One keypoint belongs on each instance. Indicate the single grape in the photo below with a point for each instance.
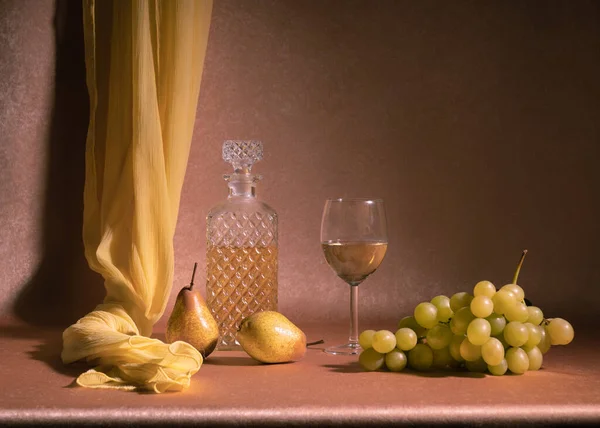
(502, 300)
(420, 357)
(515, 289)
(482, 306)
(411, 323)
(468, 351)
(460, 300)
(365, 339)
(517, 312)
(484, 288)
(442, 358)
(454, 347)
(516, 333)
(395, 360)
(383, 341)
(535, 358)
(439, 336)
(440, 301)
(517, 360)
(544, 344)
(535, 335)
(460, 321)
(500, 369)
(536, 316)
(426, 315)
(477, 366)
(497, 323)
(478, 331)
(444, 312)
(492, 352)
(561, 331)
(406, 339)
(371, 360)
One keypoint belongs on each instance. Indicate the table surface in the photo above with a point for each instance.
(231, 388)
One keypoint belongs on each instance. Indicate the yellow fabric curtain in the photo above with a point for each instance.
(144, 61)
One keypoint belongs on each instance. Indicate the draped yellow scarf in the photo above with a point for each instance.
(144, 61)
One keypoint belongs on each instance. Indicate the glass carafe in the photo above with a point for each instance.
(241, 247)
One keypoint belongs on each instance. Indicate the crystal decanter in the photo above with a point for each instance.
(241, 253)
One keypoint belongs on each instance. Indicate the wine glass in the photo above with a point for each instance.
(354, 240)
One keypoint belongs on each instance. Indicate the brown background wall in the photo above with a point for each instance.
(476, 122)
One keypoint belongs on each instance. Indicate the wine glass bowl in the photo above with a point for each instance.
(354, 261)
(354, 241)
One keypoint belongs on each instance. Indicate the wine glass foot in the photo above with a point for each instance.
(347, 349)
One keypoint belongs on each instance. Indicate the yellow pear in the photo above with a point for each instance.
(192, 321)
(269, 337)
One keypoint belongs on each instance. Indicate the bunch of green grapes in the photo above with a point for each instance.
(489, 330)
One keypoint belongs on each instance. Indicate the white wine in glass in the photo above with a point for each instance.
(354, 240)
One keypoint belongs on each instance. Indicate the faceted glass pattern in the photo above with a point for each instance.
(242, 153)
(241, 268)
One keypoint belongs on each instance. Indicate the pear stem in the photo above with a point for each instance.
(193, 275)
(516, 277)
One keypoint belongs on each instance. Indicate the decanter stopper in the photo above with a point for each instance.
(242, 154)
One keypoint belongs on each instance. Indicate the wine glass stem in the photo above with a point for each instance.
(353, 314)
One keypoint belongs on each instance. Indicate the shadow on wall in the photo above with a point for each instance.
(64, 288)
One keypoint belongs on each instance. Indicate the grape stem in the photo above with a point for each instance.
(516, 277)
